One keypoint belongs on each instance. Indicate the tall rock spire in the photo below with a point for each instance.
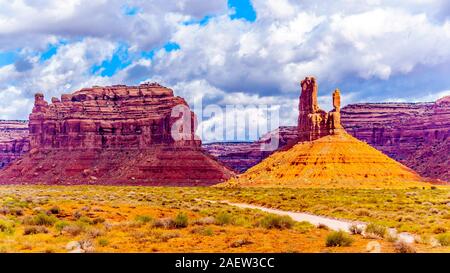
(313, 122)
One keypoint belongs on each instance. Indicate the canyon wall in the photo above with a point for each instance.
(416, 134)
(115, 135)
(13, 140)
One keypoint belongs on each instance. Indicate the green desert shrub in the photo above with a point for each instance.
(444, 239)
(181, 220)
(163, 223)
(276, 221)
(204, 231)
(54, 210)
(103, 242)
(205, 221)
(73, 229)
(355, 229)
(223, 218)
(144, 219)
(338, 238)
(41, 219)
(84, 220)
(60, 225)
(403, 247)
(29, 230)
(376, 229)
(6, 227)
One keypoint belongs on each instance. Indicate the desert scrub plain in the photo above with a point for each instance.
(167, 219)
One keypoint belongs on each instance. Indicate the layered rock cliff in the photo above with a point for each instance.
(13, 140)
(115, 135)
(416, 134)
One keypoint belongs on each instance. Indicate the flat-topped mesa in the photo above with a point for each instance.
(132, 135)
(313, 122)
(108, 117)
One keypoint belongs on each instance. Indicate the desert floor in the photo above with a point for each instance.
(170, 219)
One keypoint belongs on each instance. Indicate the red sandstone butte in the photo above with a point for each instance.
(114, 135)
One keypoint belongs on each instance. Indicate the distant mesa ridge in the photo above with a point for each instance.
(114, 135)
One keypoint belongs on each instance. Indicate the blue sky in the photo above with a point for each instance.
(254, 50)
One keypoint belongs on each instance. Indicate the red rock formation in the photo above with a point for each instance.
(415, 134)
(13, 141)
(115, 135)
(313, 122)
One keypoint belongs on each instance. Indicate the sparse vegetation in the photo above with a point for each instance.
(204, 231)
(223, 218)
(240, 243)
(60, 225)
(103, 242)
(338, 238)
(403, 247)
(30, 230)
(444, 239)
(54, 210)
(376, 230)
(181, 220)
(143, 219)
(355, 229)
(276, 221)
(41, 219)
(6, 227)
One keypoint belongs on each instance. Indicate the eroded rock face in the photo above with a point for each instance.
(13, 141)
(313, 122)
(115, 135)
(416, 134)
(107, 117)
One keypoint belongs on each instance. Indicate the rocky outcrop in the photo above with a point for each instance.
(141, 135)
(13, 141)
(330, 158)
(332, 161)
(313, 122)
(416, 134)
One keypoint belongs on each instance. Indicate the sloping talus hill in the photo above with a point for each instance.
(332, 161)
